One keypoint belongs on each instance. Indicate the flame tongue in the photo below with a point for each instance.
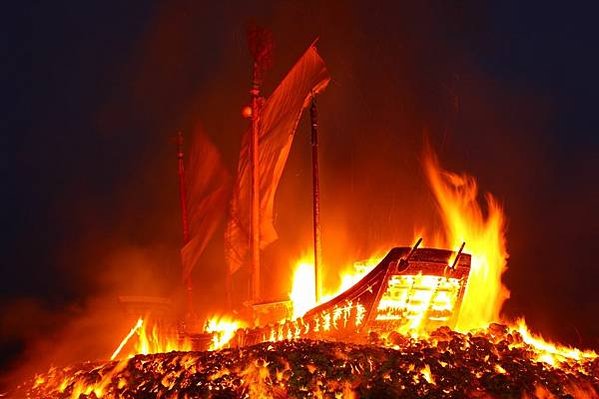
(223, 328)
(465, 221)
(303, 293)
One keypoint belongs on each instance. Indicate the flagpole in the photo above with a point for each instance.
(315, 200)
(255, 187)
(184, 219)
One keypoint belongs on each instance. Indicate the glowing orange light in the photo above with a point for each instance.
(136, 327)
(223, 329)
(484, 234)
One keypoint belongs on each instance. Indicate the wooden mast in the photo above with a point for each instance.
(260, 44)
(184, 218)
(315, 199)
(255, 187)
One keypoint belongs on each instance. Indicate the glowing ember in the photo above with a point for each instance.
(419, 299)
(493, 362)
(223, 329)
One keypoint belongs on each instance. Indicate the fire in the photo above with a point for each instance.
(303, 293)
(223, 329)
(303, 290)
(489, 363)
(156, 340)
(423, 299)
(418, 298)
(484, 235)
(548, 352)
(501, 351)
(159, 341)
(136, 327)
(351, 275)
(81, 388)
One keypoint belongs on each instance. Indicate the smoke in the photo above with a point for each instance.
(87, 329)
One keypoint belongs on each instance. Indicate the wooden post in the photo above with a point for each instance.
(184, 217)
(316, 200)
(260, 45)
(255, 188)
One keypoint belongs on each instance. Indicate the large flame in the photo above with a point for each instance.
(303, 291)
(464, 220)
(484, 234)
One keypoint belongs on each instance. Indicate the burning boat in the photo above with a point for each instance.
(391, 334)
(410, 290)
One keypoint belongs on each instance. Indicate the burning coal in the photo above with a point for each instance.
(494, 362)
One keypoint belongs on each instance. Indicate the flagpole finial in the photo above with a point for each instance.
(261, 45)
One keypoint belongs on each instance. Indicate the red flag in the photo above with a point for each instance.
(208, 190)
(278, 121)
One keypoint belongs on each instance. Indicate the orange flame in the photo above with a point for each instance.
(302, 294)
(484, 235)
(158, 341)
(548, 352)
(155, 341)
(223, 329)
(464, 220)
(81, 388)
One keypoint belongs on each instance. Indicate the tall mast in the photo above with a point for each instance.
(260, 45)
(184, 217)
(315, 199)
(255, 183)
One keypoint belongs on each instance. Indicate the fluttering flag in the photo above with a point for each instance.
(208, 185)
(278, 120)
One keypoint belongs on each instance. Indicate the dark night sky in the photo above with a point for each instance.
(94, 91)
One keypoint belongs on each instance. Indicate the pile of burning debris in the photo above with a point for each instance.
(495, 362)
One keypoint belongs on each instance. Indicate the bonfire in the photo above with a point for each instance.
(329, 352)
(418, 322)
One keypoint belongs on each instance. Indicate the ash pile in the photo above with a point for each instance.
(491, 363)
